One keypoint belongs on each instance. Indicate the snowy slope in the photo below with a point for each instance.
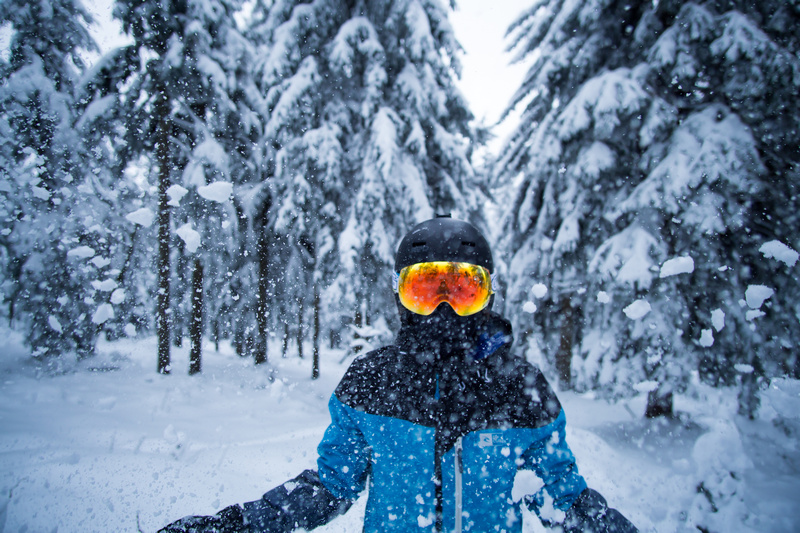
(109, 445)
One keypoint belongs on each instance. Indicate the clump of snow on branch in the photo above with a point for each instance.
(627, 257)
(81, 252)
(646, 386)
(720, 462)
(55, 324)
(599, 102)
(107, 285)
(100, 262)
(709, 146)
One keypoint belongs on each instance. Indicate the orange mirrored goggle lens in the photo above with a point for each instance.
(423, 286)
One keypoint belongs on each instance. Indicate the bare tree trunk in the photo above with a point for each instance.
(263, 295)
(285, 339)
(178, 288)
(564, 354)
(315, 363)
(300, 328)
(163, 319)
(238, 337)
(358, 321)
(215, 332)
(196, 325)
(659, 404)
(749, 388)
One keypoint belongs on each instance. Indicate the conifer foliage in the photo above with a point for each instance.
(658, 155)
(179, 104)
(239, 170)
(366, 135)
(54, 244)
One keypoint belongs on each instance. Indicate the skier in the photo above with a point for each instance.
(438, 424)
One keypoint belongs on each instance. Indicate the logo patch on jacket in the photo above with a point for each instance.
(491, 439)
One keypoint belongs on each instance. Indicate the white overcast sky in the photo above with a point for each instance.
(488, 79)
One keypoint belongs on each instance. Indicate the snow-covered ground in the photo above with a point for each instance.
(108, 445)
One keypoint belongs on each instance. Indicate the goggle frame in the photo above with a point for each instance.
(462, 271)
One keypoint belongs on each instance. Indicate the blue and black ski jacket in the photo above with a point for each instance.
(437, 441)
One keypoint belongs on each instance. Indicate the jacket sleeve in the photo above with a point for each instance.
(585, 509)
(344, 454)
(551, 459)
(314, 498)
(302, 502)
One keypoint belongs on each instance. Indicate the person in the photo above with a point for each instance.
(439, 424)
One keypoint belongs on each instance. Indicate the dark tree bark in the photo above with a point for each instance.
(238, 337)
(300, 329)
(659, 404)
(315, 362)
(262, 309)
(196, 325)
(215, 332)
(564, 354)
(285, 346)
(358, 321)
(263, 296)
(163, 319)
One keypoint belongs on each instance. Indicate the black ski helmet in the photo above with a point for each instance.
(444, 239)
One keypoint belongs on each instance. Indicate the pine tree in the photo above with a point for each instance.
(366, 136)
(53, 239)
(223, 166)
(183, 108)
(649, 137)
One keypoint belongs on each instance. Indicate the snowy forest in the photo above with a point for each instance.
(241, 172)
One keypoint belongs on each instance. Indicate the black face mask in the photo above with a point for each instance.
(443, 334)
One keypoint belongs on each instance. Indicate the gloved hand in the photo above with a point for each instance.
(590, 512)
(228, 520)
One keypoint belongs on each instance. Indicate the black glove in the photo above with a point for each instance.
(228, 520)
(591, 513)
(302, 502)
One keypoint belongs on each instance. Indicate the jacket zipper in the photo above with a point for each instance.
(437, 464)
(459, 492)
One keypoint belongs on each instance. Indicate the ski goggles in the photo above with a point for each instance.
(423, 286)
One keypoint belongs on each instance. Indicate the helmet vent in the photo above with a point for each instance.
(418, 244)
(468, 243)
